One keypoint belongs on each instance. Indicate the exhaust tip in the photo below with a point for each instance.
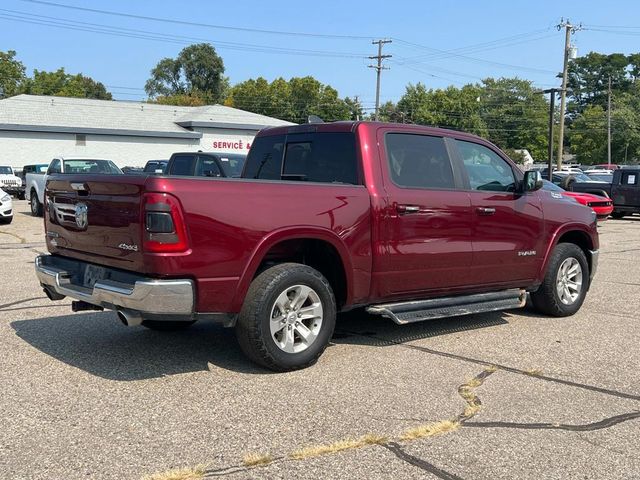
(130, 318)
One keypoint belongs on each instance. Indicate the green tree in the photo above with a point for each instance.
(588, 135)
(12, 73)
(508, 111)
(589, 77)
(197, 71)
(294, 100)
(515, 114)
(63, 84)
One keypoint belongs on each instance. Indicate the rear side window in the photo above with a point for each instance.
(629, 178)
(316, 157)
(182, 165)
(419, 161)
(265, 158)
(485, 168)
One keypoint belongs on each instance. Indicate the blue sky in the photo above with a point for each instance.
(437, 43)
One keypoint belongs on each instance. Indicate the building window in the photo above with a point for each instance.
(81, 140)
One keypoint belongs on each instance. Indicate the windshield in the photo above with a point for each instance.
(5, 171)
(91, 166)
(551, 187)
(232, 164)
(602, 177)
(156, 166)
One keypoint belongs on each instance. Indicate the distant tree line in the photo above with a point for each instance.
(14, 81)
(510, 112)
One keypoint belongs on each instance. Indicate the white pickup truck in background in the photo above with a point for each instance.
(35, 182)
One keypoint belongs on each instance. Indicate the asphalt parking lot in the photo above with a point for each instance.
(500, 395)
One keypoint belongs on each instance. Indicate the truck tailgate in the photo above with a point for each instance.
(96, 218)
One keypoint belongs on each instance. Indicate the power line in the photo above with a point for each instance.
(160, 36)
(198, 24)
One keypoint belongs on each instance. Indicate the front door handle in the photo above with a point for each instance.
(404, 209)
(485, 210)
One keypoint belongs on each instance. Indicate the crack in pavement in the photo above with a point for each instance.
(506, 368)
(18, 302)
(587, 427)
(14, 235)
(397, 450)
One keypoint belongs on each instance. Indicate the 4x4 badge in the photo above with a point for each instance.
(82, 219)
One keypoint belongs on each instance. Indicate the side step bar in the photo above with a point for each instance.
(420, 310)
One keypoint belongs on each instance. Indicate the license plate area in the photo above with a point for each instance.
(93, 274)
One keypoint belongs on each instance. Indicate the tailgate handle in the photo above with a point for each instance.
(81, 188)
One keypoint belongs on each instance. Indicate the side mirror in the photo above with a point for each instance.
(532, 181)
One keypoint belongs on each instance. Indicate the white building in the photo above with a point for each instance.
(34, 129)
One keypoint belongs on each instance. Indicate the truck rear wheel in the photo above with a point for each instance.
(565, 284)
(287, 318)
(36, 206)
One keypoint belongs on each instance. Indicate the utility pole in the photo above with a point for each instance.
(378, 67)
(569, 29)
(609, 123)
(552, 103)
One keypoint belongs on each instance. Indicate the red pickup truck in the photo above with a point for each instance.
(413, 223)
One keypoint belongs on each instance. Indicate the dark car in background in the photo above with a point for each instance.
(156, 166)
(206, 164)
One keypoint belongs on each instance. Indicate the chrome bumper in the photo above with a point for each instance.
(594, 263)
(141, 294)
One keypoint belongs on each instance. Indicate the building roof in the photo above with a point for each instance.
(106, 117)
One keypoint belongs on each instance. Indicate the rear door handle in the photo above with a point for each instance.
(485, 210)
(404, 209)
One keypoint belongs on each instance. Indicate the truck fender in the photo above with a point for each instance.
(291, 233)
(555, 237)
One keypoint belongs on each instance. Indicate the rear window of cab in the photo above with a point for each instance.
(308, 157)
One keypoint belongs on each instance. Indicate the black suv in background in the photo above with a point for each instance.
(206, 164)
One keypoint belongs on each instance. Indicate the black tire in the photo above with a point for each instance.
(166, 326)
(253, 329)
(547, 299)
(6, 220)
(617, 215)
(36, 206)
(567, 182)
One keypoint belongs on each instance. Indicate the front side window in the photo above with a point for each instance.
(485, 168)
(419, 161)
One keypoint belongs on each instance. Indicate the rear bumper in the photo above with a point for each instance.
(119, 291)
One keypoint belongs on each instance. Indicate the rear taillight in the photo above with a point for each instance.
(164, 227)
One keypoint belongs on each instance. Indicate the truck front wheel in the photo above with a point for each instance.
(36, 206)
(565, 283)
(287, 318)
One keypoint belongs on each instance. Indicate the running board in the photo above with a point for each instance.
(420, 310)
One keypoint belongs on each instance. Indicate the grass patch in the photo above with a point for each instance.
(255, 459)
(470, 411)
(534, 372)
(430, 430)
(317, 450)
(491, 369)
(187, 473)
(473, 383)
